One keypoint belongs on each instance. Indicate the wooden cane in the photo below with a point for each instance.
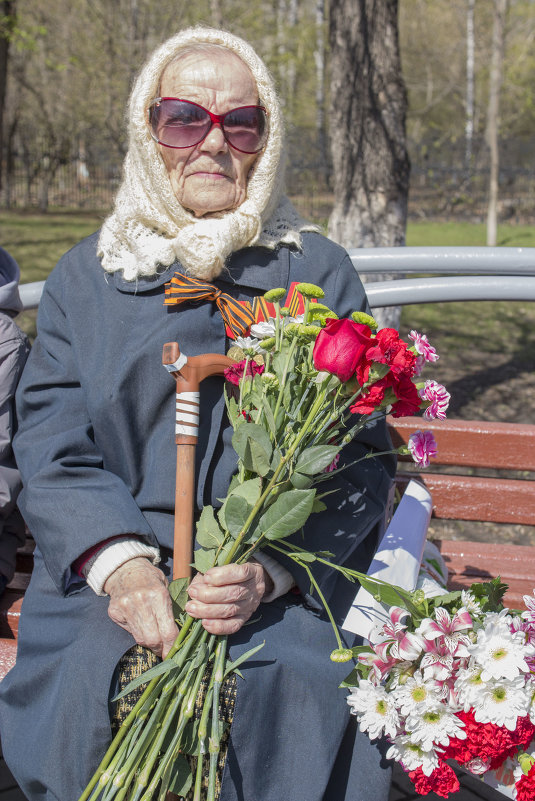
(188, 373)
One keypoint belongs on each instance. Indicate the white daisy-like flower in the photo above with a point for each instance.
(251, 343)
(503, 702)
(469, 686)
(500, 652)
(266, 328)
(434, 725)
(375, 709)
(416, 692)
(468, 600)
(412, 756)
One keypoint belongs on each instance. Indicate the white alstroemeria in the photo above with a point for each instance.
(448, 630)
(434, 725)
(375, 709)
(412, 756)
(500, 652)
(503, 702)
(470, 603)
(416, 692)
(251, 343)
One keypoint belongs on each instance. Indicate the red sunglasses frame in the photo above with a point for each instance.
(216, 119)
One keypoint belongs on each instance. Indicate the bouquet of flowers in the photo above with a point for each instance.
(452, 679)
(302, 387)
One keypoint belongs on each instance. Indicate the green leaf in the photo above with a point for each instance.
(276, 459)
(255, 458)
(250, 431)
(237, 510)
(354, 677)
(300, 481)
(233, 412)
(178, 590)
(316, 459)
(204, 559)
(268, 414)
(388, 594)
(250, 490)
(208, 533)
(230, 666)
(190, 737)
(200, 656)
(303, 556)
(318, 506)
(181, 778)
(289, 513)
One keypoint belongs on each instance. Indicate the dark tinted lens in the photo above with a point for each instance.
(246, 128)
(177, 123)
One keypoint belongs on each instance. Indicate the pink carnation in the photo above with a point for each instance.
(422, 446)
(234, 373)
(423, 347)
(438, 398)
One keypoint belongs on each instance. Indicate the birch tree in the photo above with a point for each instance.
(493, 115)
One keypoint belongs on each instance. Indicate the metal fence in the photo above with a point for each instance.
(467, 273)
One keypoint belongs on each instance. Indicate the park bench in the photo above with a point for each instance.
(483, 471)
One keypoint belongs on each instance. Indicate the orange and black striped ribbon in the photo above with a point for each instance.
(236, 314)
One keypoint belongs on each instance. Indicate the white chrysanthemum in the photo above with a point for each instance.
(416, 692)
(469, 686)
(434, 725)
(503, 702)
(500, 652)
(266, 328)
(251, 343)
(412, 756)
(375, 709)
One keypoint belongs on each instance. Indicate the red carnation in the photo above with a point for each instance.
(442, 781)
(489, 742)
(389, 349)
(525, 786)
(409, 401)
(340, 346)
(234, 373)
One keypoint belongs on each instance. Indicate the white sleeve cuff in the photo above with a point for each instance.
(282, 579)
(112, 555)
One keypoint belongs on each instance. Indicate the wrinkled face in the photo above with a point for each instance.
(211, 176)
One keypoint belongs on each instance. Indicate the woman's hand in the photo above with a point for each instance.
(225, 597)
(141, 604)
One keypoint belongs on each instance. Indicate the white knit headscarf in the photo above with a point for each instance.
(149, 228)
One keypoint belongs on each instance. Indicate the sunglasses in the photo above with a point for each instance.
(180, 123)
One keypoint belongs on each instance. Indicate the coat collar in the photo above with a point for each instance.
(255, 268)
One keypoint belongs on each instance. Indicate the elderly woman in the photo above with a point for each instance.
(202, 195)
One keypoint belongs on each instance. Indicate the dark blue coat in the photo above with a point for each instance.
(96, 451)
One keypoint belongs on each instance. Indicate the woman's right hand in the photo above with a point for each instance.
(141, 604)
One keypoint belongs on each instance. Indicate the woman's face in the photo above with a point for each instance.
(211, 176)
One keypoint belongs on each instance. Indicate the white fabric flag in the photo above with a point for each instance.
(397, 560)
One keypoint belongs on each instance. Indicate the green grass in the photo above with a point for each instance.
(37, 241)
(420, 234)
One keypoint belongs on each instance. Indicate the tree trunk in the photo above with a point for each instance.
(368, 145)
(469, 124)
(493, 116)
(319, 61)
(7, 22)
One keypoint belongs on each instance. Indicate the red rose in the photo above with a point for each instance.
(234, 373)
(340, 346)
(389, 349)
(442, 781)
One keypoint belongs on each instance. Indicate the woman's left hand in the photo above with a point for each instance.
(225, 597)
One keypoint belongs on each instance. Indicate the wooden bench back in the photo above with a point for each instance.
(464, 445)
(467, 444)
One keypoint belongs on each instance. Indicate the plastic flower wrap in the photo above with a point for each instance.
(303, 385)
(452, 680)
